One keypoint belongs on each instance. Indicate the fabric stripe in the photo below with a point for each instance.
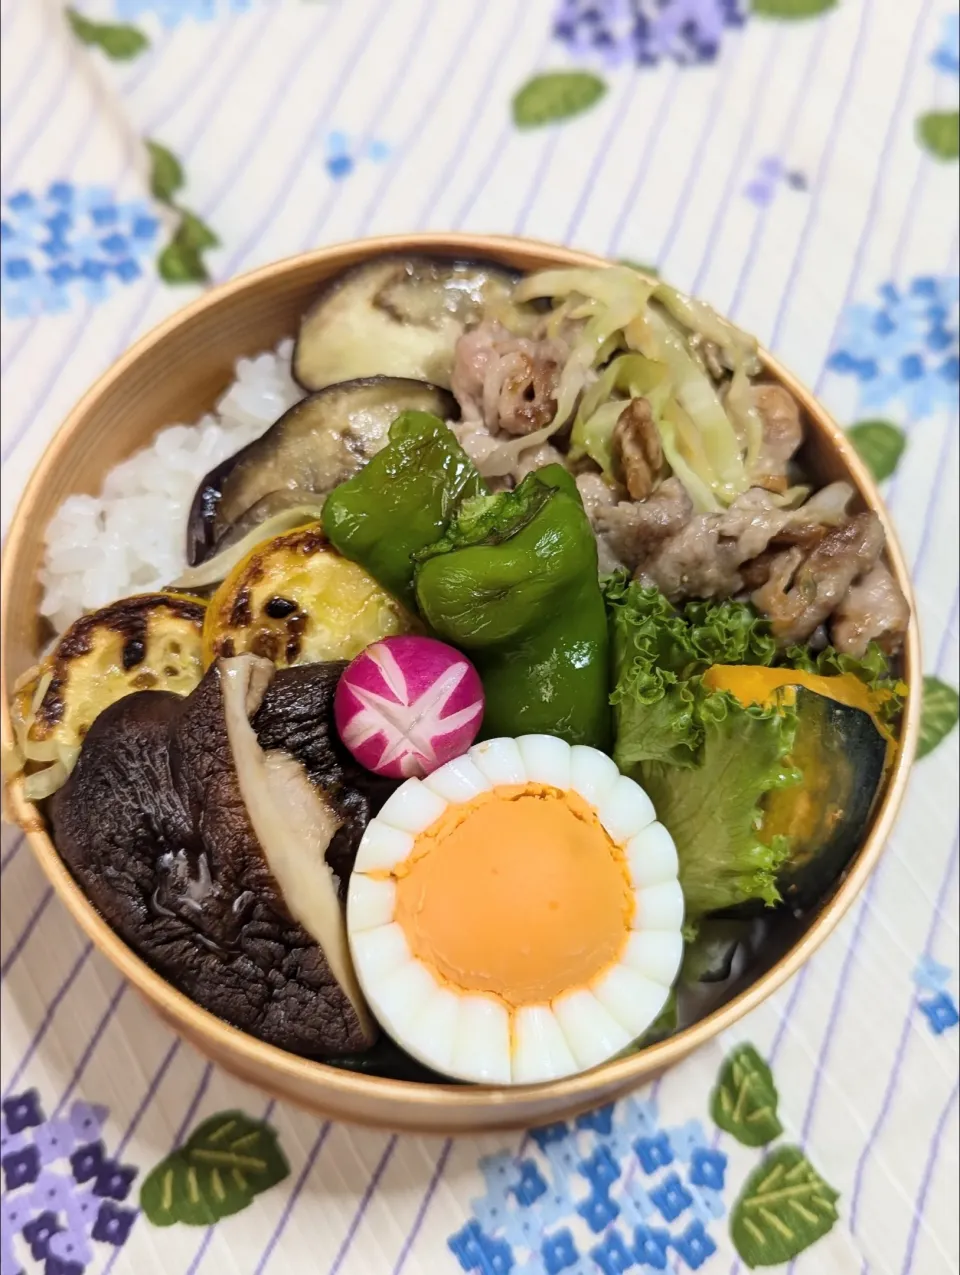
(547, 152)
(89, 1048)
(363, 1206)
(783, 148)
(24, 937)
(292, 1202)
(486, 170)
(627, 96)
(725, 74)
(823, 168)
(476, 115)
(12, 853)
(654, 134)
(48, 1018)
(283, 188)
(431, 1190)
(713, 239)
(921, 1201)
(902, 1046)
(894, 123)
(444, 81)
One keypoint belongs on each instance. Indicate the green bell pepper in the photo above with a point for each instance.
(513, 583)
(402, 500)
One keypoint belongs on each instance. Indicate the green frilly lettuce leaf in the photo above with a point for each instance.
(712, 810)
(659, 654)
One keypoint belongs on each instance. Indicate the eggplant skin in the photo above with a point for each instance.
(398, 315)
(153, 827)
(312, 448)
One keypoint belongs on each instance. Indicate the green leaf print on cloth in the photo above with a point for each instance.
(938, 717)
(880, 445)
(166, 175)
(792, 9)
(118, 42)
(744, 1102)
(785, 1206)
(181, 261)
(938, 132)
(556, 95)
(224, 1163)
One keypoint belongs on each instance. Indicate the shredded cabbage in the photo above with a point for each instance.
(711, 444)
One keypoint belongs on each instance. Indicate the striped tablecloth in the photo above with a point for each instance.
(793, 161)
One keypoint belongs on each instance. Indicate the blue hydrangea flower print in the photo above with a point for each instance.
(70, 242)
(172, 12)
(62, 1193)
(905, 349)
(946, 56)
(343, 154)
(647, 32)
(936, 1001)
(611, 1192)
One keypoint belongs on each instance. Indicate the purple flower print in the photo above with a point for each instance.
(20, 1168)
(40, 1232)
(87, 1162)
(646, 32)
(55, 1266)
(113, 1224)
(52, 1191)
(22, 1111)
(83, 1210)
(12, 1142)
(87, 1120)
(15, 1213)
(114, 1180)
(54, 1140)
(71, 1246)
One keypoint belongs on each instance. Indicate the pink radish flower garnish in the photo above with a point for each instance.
(407, 705)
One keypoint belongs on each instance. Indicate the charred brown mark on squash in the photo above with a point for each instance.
(279, 608)
(241, 614)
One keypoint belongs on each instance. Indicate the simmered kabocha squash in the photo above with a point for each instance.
(841, 749)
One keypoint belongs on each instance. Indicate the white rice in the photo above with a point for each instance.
(131, 538)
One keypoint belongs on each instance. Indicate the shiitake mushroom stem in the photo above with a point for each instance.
(293, 823)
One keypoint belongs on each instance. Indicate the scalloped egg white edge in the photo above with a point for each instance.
(474, 1037)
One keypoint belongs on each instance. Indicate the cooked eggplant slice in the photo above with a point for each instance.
(320, 442)
(148, 642)
(399, 316)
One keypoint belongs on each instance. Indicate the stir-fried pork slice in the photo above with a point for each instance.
(689, 555)
(506, 381)
(874, 610)
(535, 458)
(805, 588)
(782, 435)
(634, 528)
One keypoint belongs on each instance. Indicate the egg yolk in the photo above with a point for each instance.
(519, 893)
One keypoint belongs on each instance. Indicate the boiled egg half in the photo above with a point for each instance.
(516, 916)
